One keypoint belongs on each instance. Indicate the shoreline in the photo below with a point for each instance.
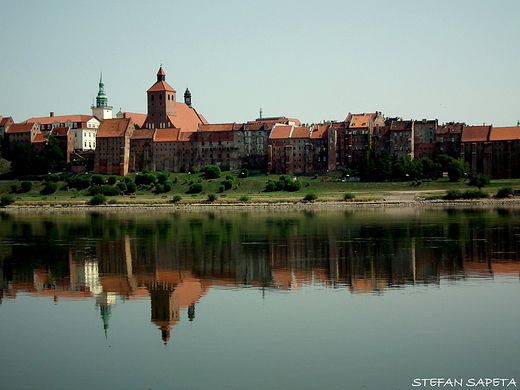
(274, 206)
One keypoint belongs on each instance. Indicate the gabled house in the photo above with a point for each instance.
(113, 147)
(448, 139)
(21, 133)
(505, 143)
(476, 149)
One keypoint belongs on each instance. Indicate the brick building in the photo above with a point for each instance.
(113, 147)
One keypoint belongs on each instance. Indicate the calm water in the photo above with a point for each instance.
(285, 300)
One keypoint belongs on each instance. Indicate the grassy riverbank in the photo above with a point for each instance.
(250, 189)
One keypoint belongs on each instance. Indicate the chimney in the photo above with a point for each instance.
(52, 114)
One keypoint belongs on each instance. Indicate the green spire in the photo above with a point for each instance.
(101, 99)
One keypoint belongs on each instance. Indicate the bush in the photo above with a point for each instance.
(108, 191)
(310, 197)
(6, 200)
(228, 184)
(98, 180)
(212, 197)
(14, 188)
(159, 188)
(244, 198)
(122, 187)
(193, 170)
(168, 185)
(131, 188)
(50, 187)
(128, 179)
(293, 186)
(479, 181)
(474, 194)
(79, 181)
(162, 177)
(176, 198)
(453, 195)
(348, 196)
(244, 173)
(221, 189)
(270, 186)
(26, 186)
(97, 199)
(112, 180)
(502, 193)
(195, 188)
(145, 179)
(212, 172)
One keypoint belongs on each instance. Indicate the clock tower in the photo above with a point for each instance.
(101, 110)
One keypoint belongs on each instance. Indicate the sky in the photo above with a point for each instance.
(314, 60)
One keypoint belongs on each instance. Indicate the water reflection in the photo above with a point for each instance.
(174, 259)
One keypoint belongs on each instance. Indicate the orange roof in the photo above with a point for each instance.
(504, 133)
(220, 127)
(113, 127)
(319, 132)
(40, 138)
(281, 132)
(187, 119)
(60, 131)
(359, 121)
(47, 120)
(4, 121)
(166, 135)
(273, 121)
(143, 134)
(188, 136)
(301, 132)
(475, 133)
(138, 119)
(20, 128)
(161, 86)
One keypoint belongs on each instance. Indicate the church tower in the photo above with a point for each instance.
(101, 110)
(161, 102)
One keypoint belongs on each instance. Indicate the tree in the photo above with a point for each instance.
(26, 186)
(52, 158)
(455, 168)
(479, 180)
(22, 160)
(212, 172)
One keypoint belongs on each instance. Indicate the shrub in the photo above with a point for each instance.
(50, 187)
(98, 180)
(212, 172)
(108, 191)
(162, 177)
(244, 173)
(112, 180)
(26, 186)
(212, 197)
(195, 188)
(479, 181)
(79, 181)
(176, 198)
(6, 200)
(474, 194)
(270, 186)
(244, 198)
(97, 199)
(348, 196)
(193, 170)
(122, 187)
(128, 179)
(221, 189)
(293, 186)
(310, 197)
(453, 194)
(228, 184)
(131, 188)
(14, 188)
(502, 193)
(159, 188)
(168, 185)
(145, 179)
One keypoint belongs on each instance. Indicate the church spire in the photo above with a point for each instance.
(187, 98)
(101, 99)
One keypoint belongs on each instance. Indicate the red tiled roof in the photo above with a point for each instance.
(187, 119)
(39, 139)
(60, 131)
(220, 127)
(319, 132)
(359, 121)
(350, 117)
(301, 132)
(475, 133)
(113, 127)
(4, 121)
(47, 120)
(143, 134)
(401, 125)
(281, 132)
(273, 121)
(161, 86)
(188, 136)
(504, 133)
(138, 119)
(450, 128)
(161, 72)
(167, 135)
(20, 128)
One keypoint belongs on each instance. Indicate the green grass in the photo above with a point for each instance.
(325, 189)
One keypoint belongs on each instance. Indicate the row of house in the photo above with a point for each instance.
(174, 137)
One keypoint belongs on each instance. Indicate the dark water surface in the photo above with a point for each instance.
(261, 300)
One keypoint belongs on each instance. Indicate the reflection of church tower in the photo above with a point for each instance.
(165, 308)
(101, 110)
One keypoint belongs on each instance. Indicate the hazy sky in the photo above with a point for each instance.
(454, 60)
